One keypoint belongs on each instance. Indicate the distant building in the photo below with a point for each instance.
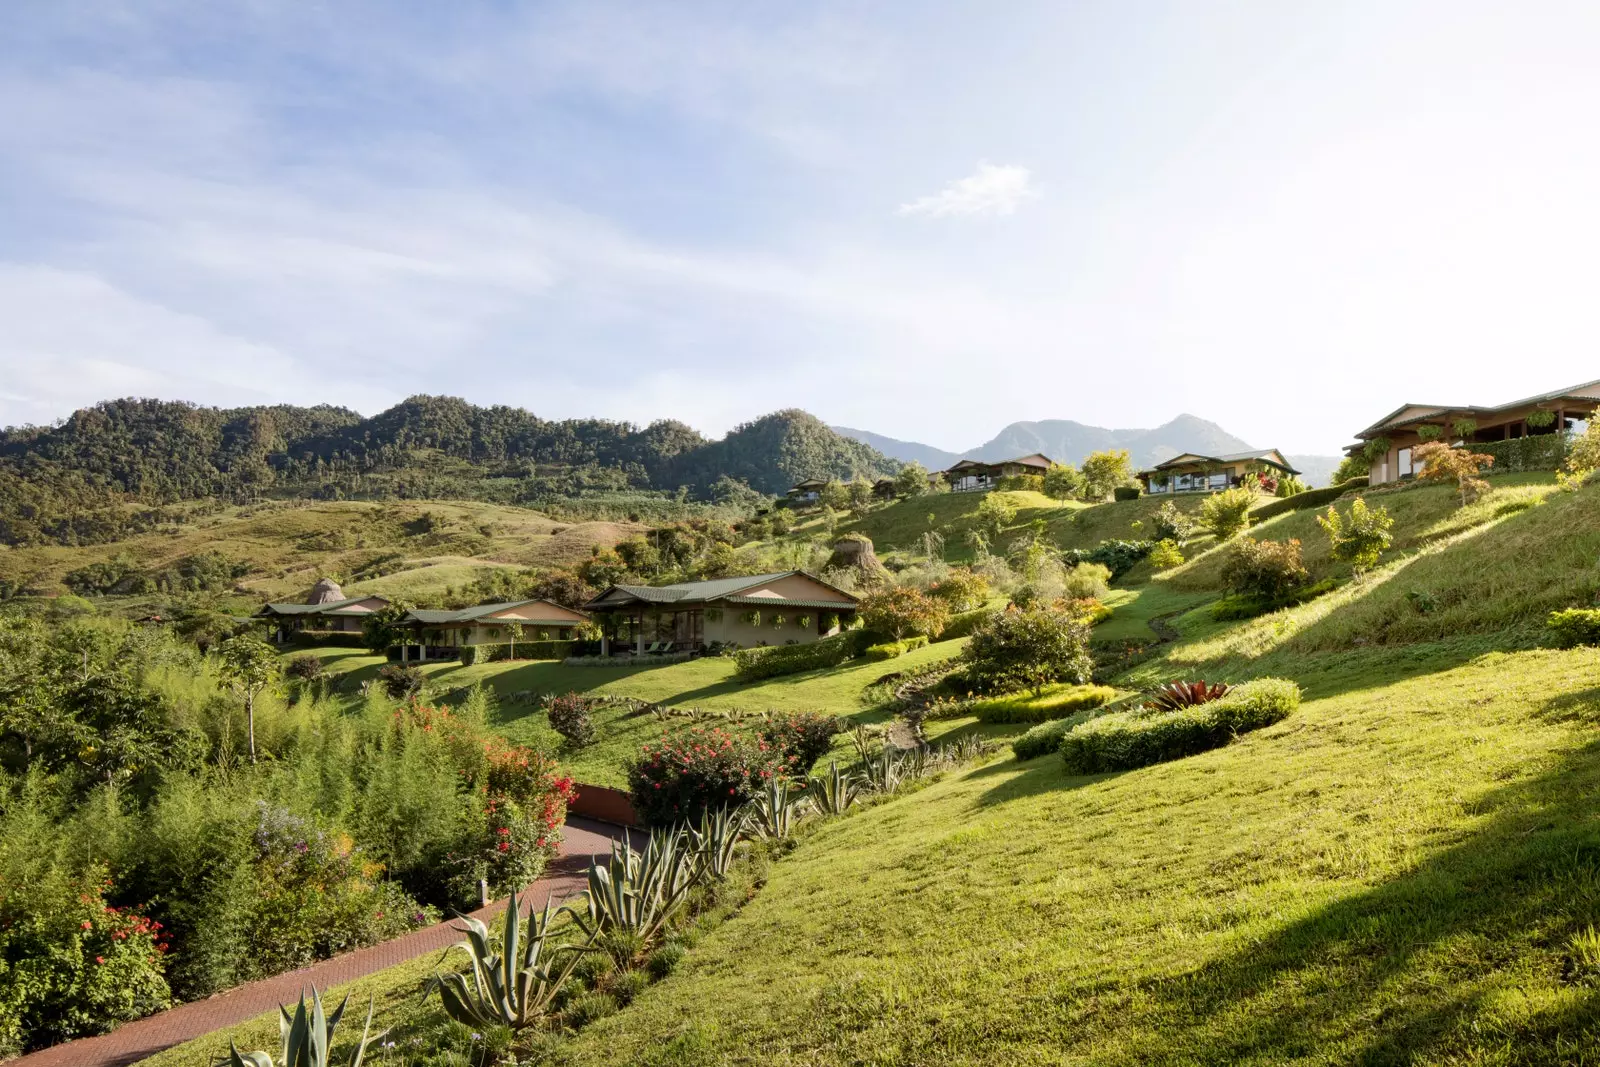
(973, 476)
(443, 634)
(808, 491)
(733, 611)
(1194, 473)
(1388, 445)
(320, 614)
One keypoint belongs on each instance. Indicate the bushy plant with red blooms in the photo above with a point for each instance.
(525, 798)
(690, 772)
(74, 965)
(800, 738)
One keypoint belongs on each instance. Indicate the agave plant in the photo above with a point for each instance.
(717, 839)
(1175, 696)
(834, 792)
(307, 1037)
(778, 809)
(633, 895)
(884, 771)
(514, 983)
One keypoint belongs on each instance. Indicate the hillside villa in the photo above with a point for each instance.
(443, 634)
(1194, 473)
(1389, 443)
(975, 476)
(327, 611)
(808, 491)
(790, 607)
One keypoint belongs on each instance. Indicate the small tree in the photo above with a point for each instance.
(1228, 512)
(1062, 482)
(1264, 569)
(1172, 523)
(1029, 649)
(860, 493)
(1290, 485)
(381, 631)
(1165, 555)
(911, 480)
(1104, 471)
(1356, 466)
(962, 589)
(249, 665)
(1441, 463)
(835, 494)
(994, 515)
(902, 611)
(1360, 538)
(1583, 459)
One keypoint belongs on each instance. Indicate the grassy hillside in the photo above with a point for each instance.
(414, 548)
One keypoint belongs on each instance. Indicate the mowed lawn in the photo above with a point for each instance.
(1402, 873)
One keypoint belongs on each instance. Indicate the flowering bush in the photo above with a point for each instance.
(690, 772)
(72, 965)
(525, 802)
(569, 717)
(800, 738)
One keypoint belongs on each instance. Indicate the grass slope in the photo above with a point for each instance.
(290, 544)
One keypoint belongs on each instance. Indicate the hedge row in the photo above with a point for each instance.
(1575, 626)
(964, 624)
(1123, 741)
(1045, 738)
(1542, 452)
(1056, 702)
(893, 649)
(1311, 498)
(753, 664)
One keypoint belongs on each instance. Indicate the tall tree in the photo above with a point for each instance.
(249, 665)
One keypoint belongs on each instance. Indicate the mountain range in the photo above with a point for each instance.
(1067, 441)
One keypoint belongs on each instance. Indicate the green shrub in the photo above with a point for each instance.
(1172, 523)
(469, 655)
(1575, 626)
(1055, 702)
(753, 664)
(1125, 492)
(1242, 606)
(1360, 537)
(1166, 555)
(962, 590)
(1045, 738)
(1312, 498)
(527, 650)
(1265, 570)
(569, 717)
(589, 1007)
(1228, 512)
(885, 651)
(1030, 649)
(690, 772)
(965, 624)
(399, 681)
(1127, 740)
(1119, 556)
(628, 985)
(664, 960)
(800, 738)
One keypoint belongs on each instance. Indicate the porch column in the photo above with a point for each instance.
(638, 633)
(605, 643)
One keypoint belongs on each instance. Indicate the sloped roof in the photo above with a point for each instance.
(331, 607)
(326, 591)
(709, 589)
(1423, 412)
(1032, 459)
(1266, 455)
(434, 617)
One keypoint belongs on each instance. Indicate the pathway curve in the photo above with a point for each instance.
(582, 841)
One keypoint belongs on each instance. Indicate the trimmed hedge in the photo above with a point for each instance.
(753, 664)
(1311, 498)
(1045, 738)
(1123, 741)
(1056, 702)
(964, 624)
(1542, 452)
(1125, 492)
(1575, 626)
(525, 650)
(893, 649)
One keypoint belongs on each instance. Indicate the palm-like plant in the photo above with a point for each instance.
(514, 983)
(1175, 696)
(883, 771)
(834, 792)
(307, 1037)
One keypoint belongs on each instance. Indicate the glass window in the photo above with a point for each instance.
(1403, 462)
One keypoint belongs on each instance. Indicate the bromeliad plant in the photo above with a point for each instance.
(512, 984)
(1174, 696)
(307, 1037)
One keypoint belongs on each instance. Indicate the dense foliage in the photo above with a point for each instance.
(697, 770)
(1228, 512)
(1359, 536)
(1055, 702)
(1575, 626)
(1128, 740)
(1028, 649)
(1264, 569)
(73, 483)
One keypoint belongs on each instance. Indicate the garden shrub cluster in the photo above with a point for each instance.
(126, 789)
(1140, 738)
(800, 738)
(1028, 649)
(696, 770)
(965, 624)
(893, 649)
(1045, 738)
(1244, 606)
(1575, 626)
(1055, 702)
(754, 664)
(1116, 555)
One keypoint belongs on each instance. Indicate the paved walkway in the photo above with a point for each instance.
(582, 841)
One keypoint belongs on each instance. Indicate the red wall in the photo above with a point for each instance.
(605, 804)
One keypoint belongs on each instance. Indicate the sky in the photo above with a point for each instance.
(927, 220)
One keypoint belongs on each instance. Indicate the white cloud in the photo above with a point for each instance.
(989, 190)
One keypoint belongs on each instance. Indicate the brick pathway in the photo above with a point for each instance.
(582, 841)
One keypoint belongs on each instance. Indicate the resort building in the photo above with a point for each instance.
(976, 476)
(1193, 473)
(790, 607)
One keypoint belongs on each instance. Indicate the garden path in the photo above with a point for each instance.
(583, 841)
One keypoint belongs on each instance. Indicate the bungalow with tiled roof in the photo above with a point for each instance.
(1194, 473)
(1388, 444)
(327, 615)
(442, 634)
(786, 608)
(976, 476)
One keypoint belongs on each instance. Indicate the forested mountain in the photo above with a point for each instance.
(110, 470)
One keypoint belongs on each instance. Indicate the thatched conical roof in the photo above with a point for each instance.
(326, 592)
(855, 552)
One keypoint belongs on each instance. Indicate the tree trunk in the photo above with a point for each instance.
(250, 714)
